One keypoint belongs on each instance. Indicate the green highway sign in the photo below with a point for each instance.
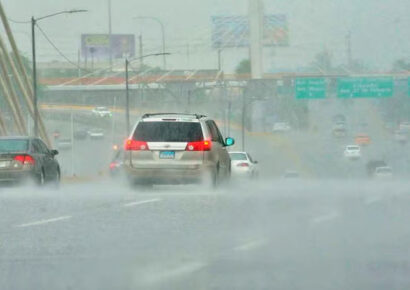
(310, 88)
(373, 87)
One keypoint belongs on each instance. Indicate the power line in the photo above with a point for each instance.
(17, 21)
(57, 49)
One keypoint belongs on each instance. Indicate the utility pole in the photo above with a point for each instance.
(188, 55)
(127, 89)
(256, 25)
(72, 144)
(110, 30)
(189, 101)
(127, 98)
(229, 115)
(219, 59)
(79, 63)
(141, 52)
(35, 101)
(349, 49)
(157, 20)
(243, 119)
(164, 58)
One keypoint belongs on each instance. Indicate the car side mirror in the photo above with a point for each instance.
(229, 141)
(54, 152)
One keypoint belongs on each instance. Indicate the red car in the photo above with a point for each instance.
(362, 139)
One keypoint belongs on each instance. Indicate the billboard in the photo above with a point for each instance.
(233, 31)
(97, 46)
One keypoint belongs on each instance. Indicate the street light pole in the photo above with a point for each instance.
(33, 44)
(127, 98)
(110, 31)
(164, 59)
(219, 59)
(127, 93)
(35, 101)
(243, 120)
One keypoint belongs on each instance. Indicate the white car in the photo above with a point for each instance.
(352, 152)
(101, 112)
(96, 133)
(281, 127)
(383, 172)
(404, 126)
(64, 144)
(242, 164)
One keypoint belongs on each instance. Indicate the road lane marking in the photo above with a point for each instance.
(162, 276)
(47, 221)
(325, 218)
(250, 245)
(372, 200)
(135, 203)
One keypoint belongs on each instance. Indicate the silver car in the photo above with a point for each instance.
(170, 148)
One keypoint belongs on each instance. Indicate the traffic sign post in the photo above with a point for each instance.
(408, 86)
(374, 87)
(310, 88)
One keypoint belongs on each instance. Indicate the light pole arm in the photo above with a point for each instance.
(59, 13)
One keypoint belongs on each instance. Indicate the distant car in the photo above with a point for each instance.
(400, 136)
(339, 125)
(80, 134)
(372, 165)
(242, 164)
(291, 174)
(363, 124)
(281, 127)
(116, 162)
(352, 152)
(64, 144)
(56, 134)
(362, 139)
(96, 133)
(383, 172)
(339, 132)
(27, 159)
(101, 112)
(339, 118)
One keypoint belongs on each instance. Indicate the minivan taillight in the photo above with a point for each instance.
(25, 159)
(135, 145)
(199, 146)
(243, 164)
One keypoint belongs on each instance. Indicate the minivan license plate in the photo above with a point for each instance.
(167, 155)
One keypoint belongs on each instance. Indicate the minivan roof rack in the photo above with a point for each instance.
(198, 116)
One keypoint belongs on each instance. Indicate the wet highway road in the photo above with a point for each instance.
(269, 235)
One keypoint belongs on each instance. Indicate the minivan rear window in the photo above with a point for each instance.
(168, 132)
(238, 156)
(13, 146)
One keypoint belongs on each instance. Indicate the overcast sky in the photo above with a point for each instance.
(380, 29)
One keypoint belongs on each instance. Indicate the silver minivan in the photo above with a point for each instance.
(170, 148)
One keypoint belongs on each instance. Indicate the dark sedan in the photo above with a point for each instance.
(28, 159)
